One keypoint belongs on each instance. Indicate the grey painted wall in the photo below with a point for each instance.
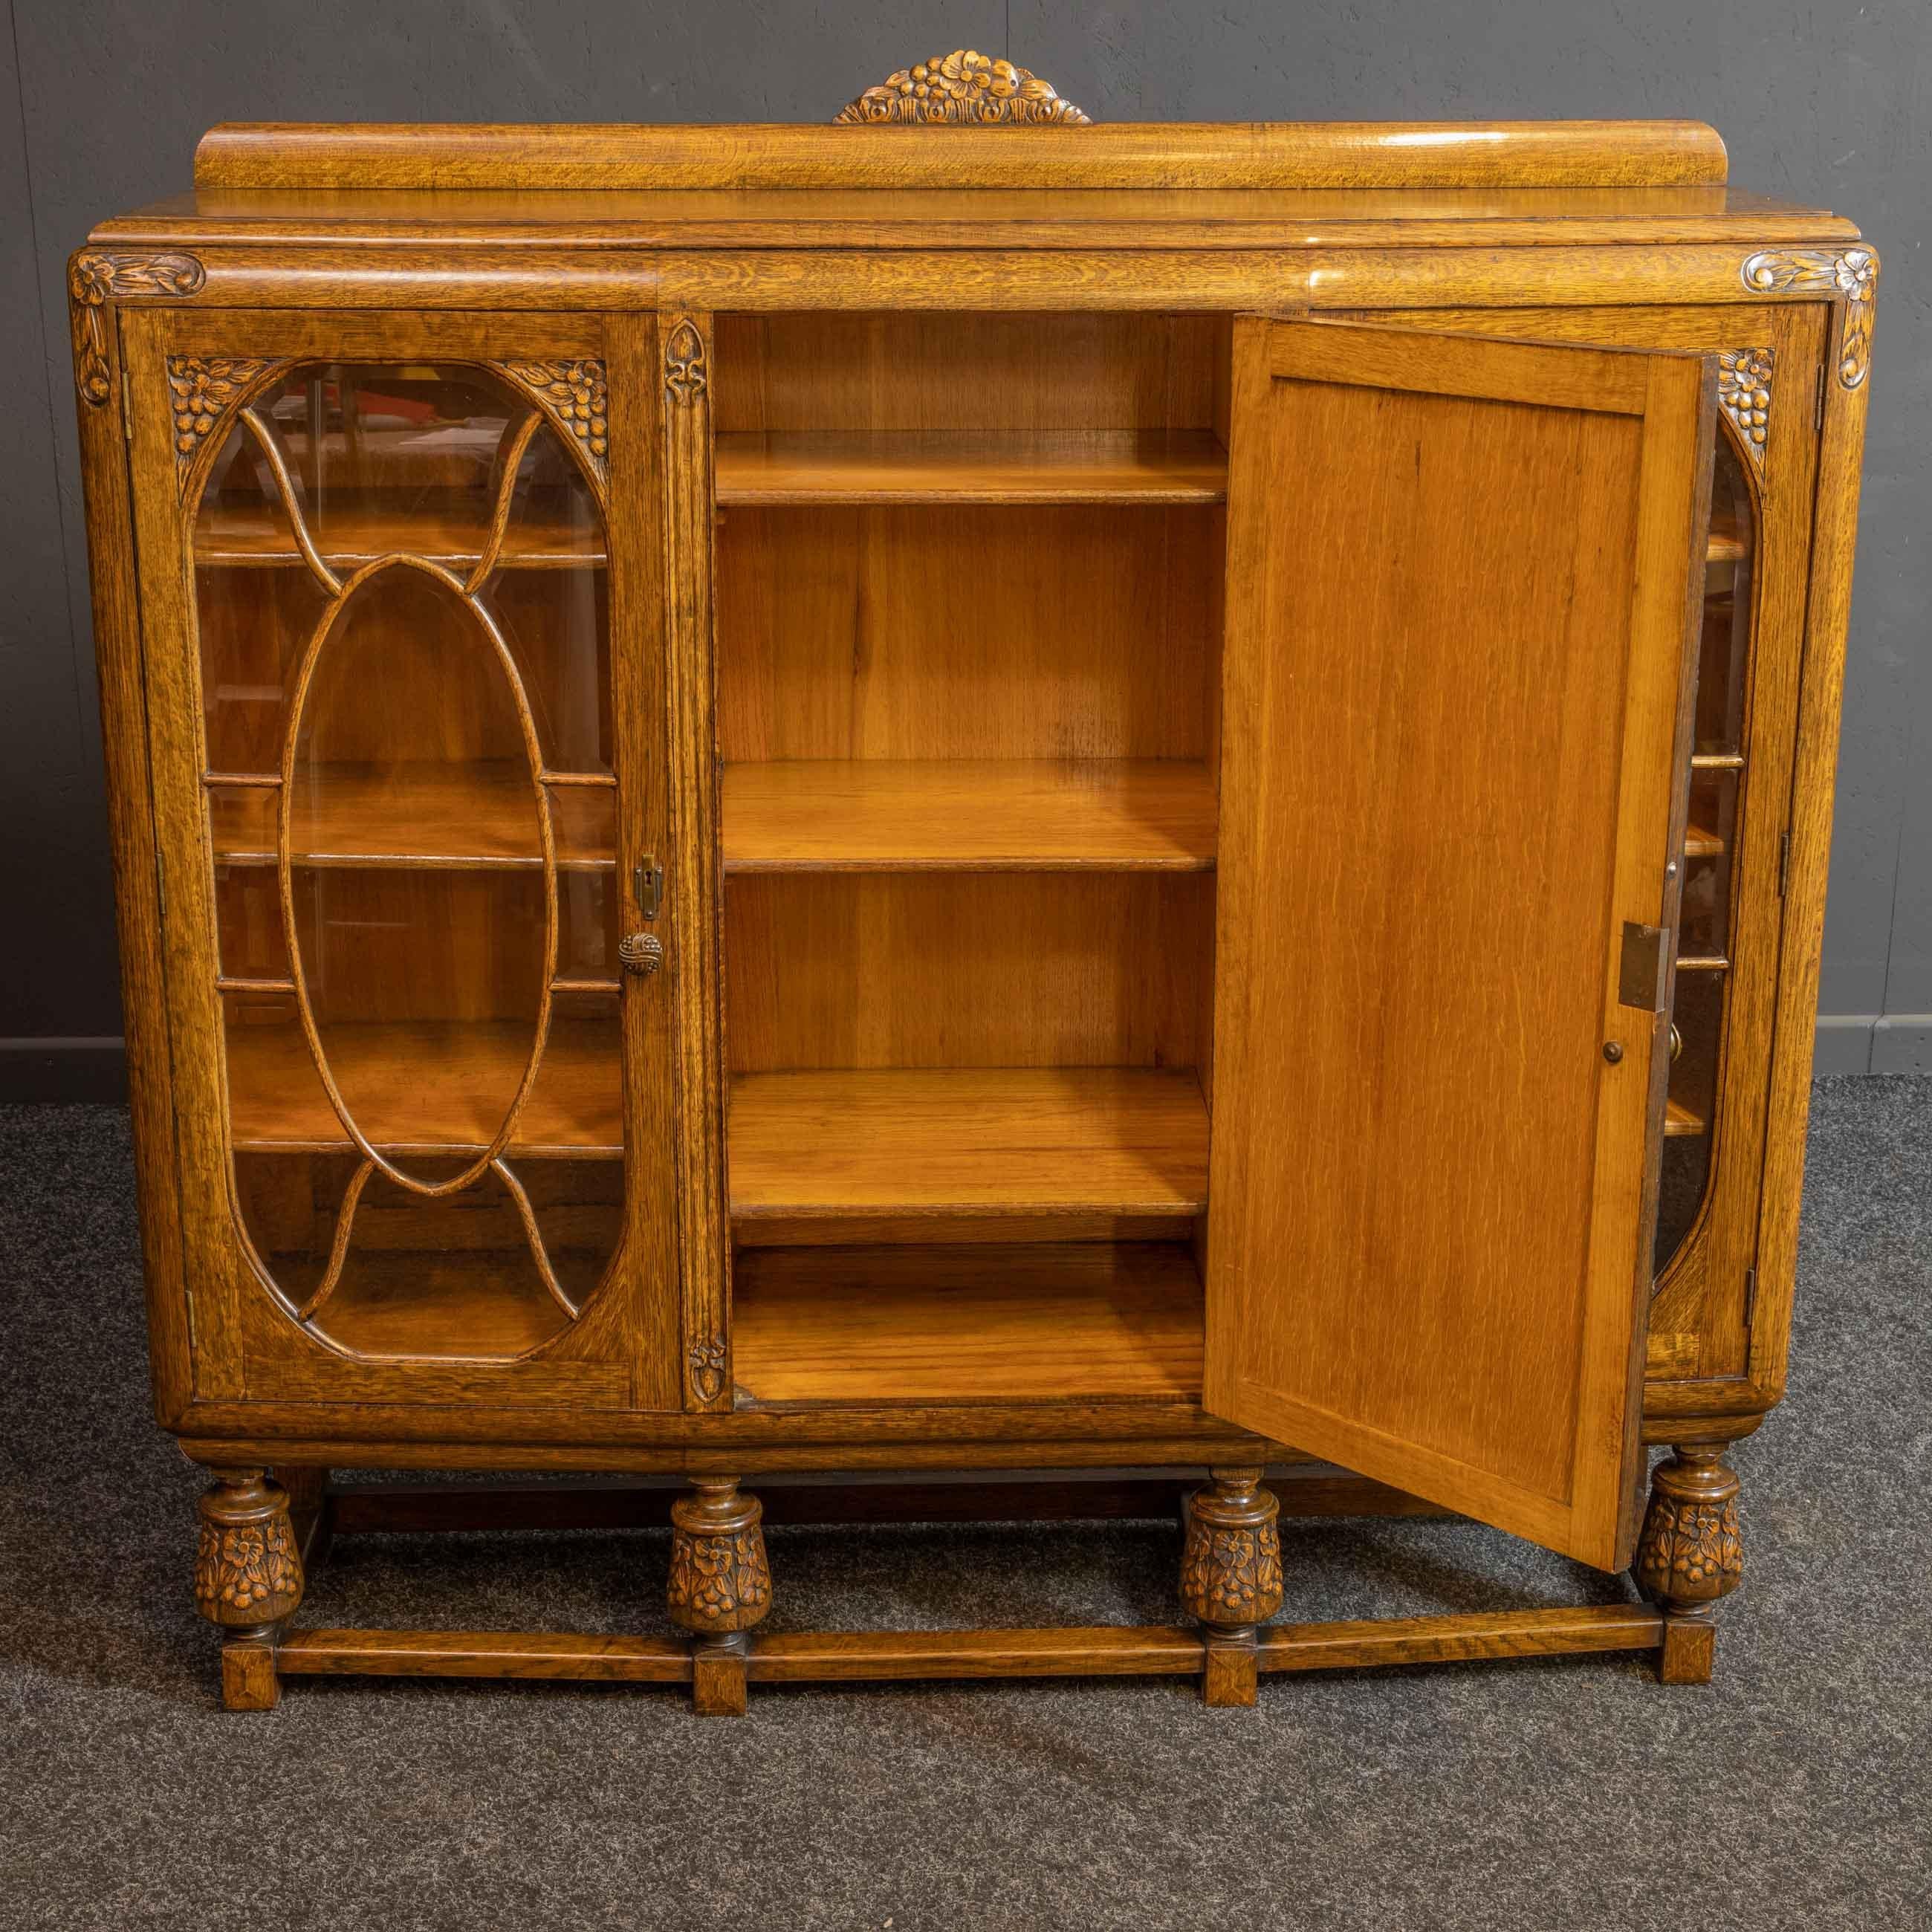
(101, 102)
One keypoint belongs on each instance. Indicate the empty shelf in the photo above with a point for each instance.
(1017, 815)
(972, 466)
(984, 1322)
(993, 1142)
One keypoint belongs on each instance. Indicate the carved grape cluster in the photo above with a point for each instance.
(575, 395)
(962, 85)
(1743, 394)
(201, 389)
(719, 1583)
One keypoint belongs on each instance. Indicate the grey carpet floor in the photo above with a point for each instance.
(1796, 1791)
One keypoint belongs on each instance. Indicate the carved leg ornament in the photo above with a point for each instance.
(248, 1580)
(1231, 1577)
(1690, 1555)
(720, 1585)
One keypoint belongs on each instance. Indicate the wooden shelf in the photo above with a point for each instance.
(1701, 842)
(1074, 1320)
(351, 534)
(998, 1141)
(427, 1088)
(1729, 542)
(447, 1306)
(1016, 815)
(1679, 1119)
(426, 813)
(971, 467)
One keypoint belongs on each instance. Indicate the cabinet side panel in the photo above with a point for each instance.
(123, 725)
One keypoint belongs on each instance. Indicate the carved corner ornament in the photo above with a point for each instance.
(685, 373)
(576, 397)
(963, 86)
(94, 279)
(202, 390)
(707, 1369)
(1690, 1553)
(1743, 394)
(1853, 276)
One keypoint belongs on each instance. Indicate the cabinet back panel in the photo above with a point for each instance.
(925, 970)
(1085, 631)
(957, 371)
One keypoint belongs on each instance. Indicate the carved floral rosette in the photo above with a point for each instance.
(963, 86)
(1231, 1564)
(247, 1569)
(720, 1580)
(1690, 1553)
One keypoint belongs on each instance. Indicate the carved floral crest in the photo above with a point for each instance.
(963, 86)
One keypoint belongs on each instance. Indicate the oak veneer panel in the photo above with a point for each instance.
(974, 1323)
(965, 466)
(1007, 1140)
(426, 1086)
(903, 372)
(1446, 780)
(423, 811)
(904, 631)
(863, 814)
(959, 968)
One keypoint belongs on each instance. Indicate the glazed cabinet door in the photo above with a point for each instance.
(403, 625)
(1462, 581)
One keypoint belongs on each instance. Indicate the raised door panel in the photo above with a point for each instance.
(402, 608)
(1461, 582)
(1720, 1313)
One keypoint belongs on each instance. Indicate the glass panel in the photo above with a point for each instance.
(403, 626)
(1711, 845)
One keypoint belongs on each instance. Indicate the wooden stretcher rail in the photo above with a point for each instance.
(883, 1656)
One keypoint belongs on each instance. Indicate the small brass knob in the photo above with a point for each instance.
(641, 952)
(1676, 1042)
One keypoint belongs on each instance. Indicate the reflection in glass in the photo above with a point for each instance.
(403, 627)
(1711, 847)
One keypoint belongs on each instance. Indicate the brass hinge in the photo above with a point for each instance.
(126, 407)
(1818, 403)
(160, 889)
(1750, 1296)
(1783, 861)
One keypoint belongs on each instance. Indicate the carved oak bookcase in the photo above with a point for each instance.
(990, 795)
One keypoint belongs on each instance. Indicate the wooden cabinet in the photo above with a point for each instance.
(972, 799)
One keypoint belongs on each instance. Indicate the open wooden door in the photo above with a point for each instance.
(1461, 581)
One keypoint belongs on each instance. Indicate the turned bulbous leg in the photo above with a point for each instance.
(1690, 1554)
(1231, 1577)
(247, 1580)
(720, 1585)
